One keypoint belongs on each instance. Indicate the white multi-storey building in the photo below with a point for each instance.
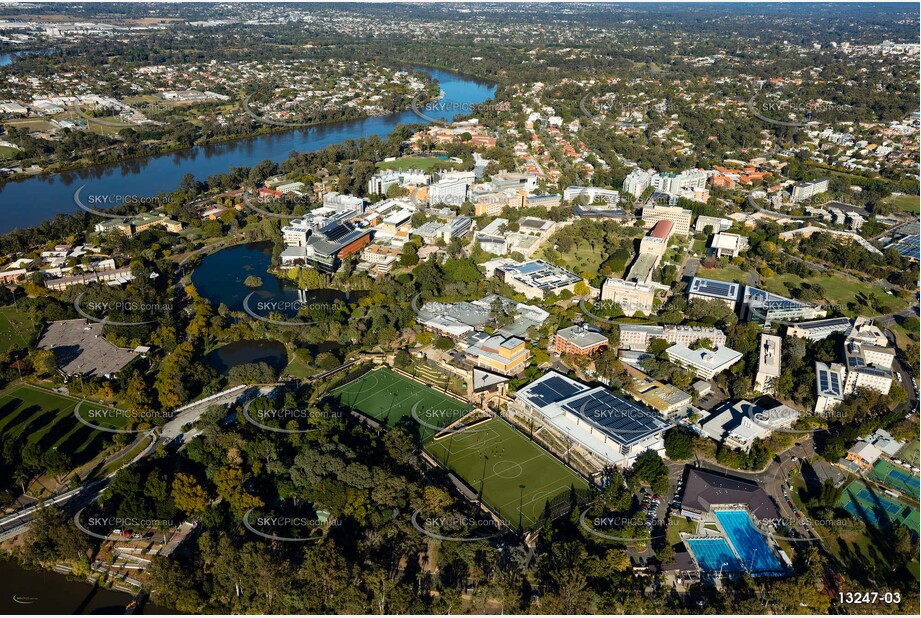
(806, 190)
(452, 192)
(638, 336)
(591, 195)
(636, 182)
(769, 354)
(673, 184)
(706, 364)
(381, 181)
(829, 386)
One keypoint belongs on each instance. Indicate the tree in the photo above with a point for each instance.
(444, 344)
(679, 446)
(229, 481)
(188, 495)
(53, 538)
(649, 467)
(44, 362)
(618, 560)
(252, 281)
(402, 359)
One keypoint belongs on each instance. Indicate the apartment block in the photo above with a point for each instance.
(805, 190)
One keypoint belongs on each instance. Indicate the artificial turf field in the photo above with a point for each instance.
(388, 397)
(39, 417)
(515, 477)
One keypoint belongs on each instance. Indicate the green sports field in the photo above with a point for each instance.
(388, 397)
(14, 327)
(424, 164)
(39, 417)
(515, 477)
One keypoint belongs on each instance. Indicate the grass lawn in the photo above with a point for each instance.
(34, 124)
(514, 476)
(15, 327)
(47, 419)
(131, 454)
(838, 290)
(729, 273)
(103, 129)
(297, 368)
(7, 152)
(413, 163)
(910, 454)
(389, 397)
(580, 259)
(678, 524)
(905, 203)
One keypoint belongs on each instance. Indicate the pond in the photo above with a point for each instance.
(220, 276)
(248, 351)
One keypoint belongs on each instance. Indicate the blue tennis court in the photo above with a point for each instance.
(749, 544)
(896, 478)
(714, 555)
(875, 508)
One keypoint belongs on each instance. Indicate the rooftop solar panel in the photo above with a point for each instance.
(552, 390)
(621, 420)
(712, 287)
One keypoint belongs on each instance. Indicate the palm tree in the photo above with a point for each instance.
(21, 478)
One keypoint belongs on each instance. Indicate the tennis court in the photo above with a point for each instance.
(876, 509)
(896, 478)
(389, 397)
(514, 476)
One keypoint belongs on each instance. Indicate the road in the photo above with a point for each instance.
(16, 523)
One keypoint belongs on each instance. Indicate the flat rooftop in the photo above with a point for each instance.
(80, 348)
(722, 290)
(582, 336)
(769, 355)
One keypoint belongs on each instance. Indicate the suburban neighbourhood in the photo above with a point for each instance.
(414, 309)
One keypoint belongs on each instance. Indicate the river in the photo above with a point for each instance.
(28, 202)
(49, 593)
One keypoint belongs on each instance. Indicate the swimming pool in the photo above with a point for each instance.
(714, 555)
(749, 544)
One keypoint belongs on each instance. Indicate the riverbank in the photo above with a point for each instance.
(53, 593)
(29, 202)
(167, 149)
